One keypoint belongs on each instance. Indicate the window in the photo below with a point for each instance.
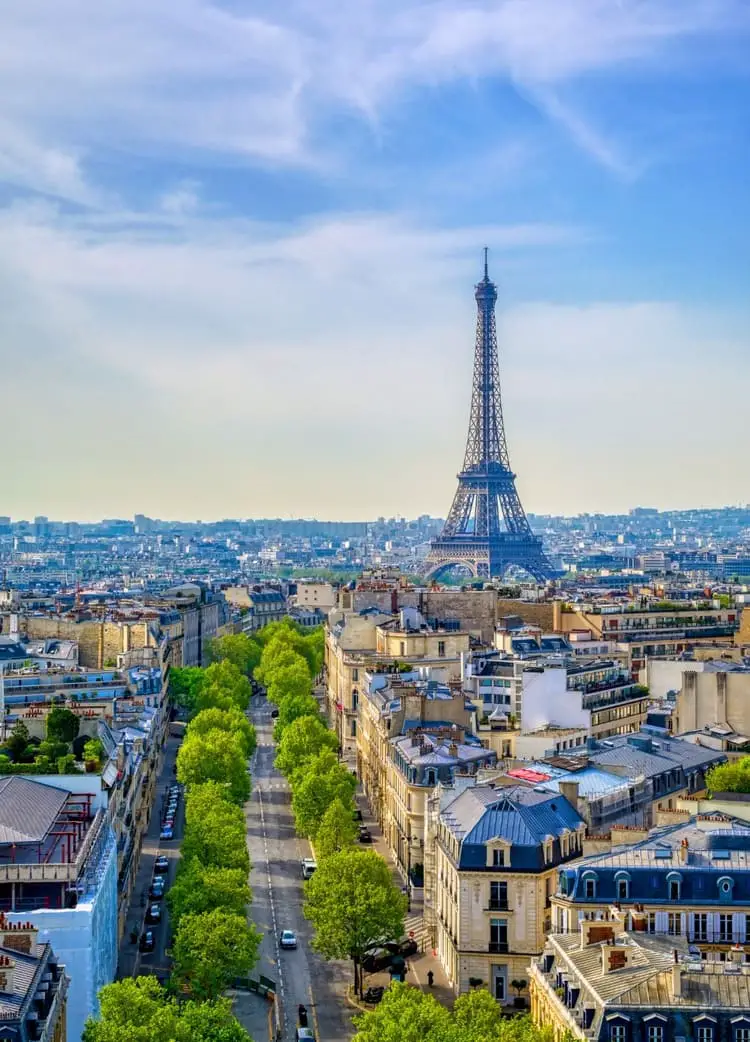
(441, 648)
(498, 858)
(674, 890)
(674, 924)
(700, 926)
(742, 1035)
(499, 896)
(355, 674)
(355, 700)
(725, 927)
(402, 645)
(498, 935)
(704, 1033)
(655, 1033)
(618, 1032)
(589, 887)
(353, 726)
(623, 888)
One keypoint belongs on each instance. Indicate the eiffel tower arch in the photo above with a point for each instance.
(487, 530)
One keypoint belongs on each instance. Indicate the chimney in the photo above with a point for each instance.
(21, 937)
(613, 957)
(7, 973)
(453, 750)
(569, 790)
(639, 920)
(684, 848)
(676, 977)
(596, 931)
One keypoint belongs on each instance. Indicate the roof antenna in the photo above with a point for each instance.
(486, 273)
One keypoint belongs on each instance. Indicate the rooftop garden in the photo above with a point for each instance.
(62, 751)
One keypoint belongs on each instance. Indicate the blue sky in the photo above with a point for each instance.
(238, 243)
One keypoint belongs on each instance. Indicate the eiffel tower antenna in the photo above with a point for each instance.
(487, 530)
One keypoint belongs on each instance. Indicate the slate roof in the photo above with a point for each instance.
(517, 814)
(28, 809)
(25, 970)
(620, 751)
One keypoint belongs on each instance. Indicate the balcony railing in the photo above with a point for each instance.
(498, 947)
(498, 906)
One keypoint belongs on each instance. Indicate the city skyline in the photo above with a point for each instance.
(238, 247)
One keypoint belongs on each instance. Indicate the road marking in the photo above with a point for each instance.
(273, 908)
(314, 1015)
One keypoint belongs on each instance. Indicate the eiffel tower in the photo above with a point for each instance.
(487, 530)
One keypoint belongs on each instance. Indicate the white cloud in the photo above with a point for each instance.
(239, 352)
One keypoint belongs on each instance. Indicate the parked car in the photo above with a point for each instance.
(365, 836)
(153, 915)
(357, 814)
(308, 867)
(161, 864)
(376, 959)
(166, 833)
(274, 714)
(147, 942)
(288, 939)
(305, 1035)
(156, 890)
(406, 947)
(374, 995)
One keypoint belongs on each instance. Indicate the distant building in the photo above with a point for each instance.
(33, 987)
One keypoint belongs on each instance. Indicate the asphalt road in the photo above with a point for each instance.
(276, 852)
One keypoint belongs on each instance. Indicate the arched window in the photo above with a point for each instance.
(725, 884)
(674, 886)
(589, 880)
(622, 886)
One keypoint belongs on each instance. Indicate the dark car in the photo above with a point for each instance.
(153, 915)
(357, 814)
(374, 995)
(274, 714)
(365, 836)
(376, 959)
(407, 947)
(147, 942)
(156, 890)
(161, 864)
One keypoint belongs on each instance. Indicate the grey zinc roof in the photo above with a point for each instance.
(517, 814)
(27, 809)
(664, 752)
(26, 967)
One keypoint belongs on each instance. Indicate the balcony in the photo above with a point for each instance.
(498, 948)
(497, 906)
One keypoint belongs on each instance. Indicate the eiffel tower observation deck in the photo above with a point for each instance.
(487, 531)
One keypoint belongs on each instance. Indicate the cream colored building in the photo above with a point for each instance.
(313, 594)
(498, 851)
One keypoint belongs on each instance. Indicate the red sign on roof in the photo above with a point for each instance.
(530, 776)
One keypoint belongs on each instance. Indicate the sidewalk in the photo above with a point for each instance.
(420, 964)
(129, 959)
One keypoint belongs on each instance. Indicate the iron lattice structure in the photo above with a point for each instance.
(487, 530)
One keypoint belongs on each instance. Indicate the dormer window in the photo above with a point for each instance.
(589, 885)
(674, 886)
(726, 884)
(622, 886)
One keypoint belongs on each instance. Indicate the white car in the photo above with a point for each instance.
(305, 1035)
(309, 864)
(288, 939)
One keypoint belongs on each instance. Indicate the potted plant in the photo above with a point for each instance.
(518, 986)
(475, 982)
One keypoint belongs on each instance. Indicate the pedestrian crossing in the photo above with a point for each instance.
(415, 924)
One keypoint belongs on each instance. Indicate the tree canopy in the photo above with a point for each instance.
(214, 828)
(292, 708)
(288, 679)
(211, 949)
(407, 1014)
(337, 830)
(316, 790)
(201, 888)
(303, 739)
(730, 777)
(231, 720)
(140, 1010)
(185, 685)
(238, 648)
(217, 755)
(62, 725)
(353, 903)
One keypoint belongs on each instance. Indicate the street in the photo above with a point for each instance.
(303, 977)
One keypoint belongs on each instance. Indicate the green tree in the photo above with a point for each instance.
(93, 751)
(315, 792)
(62, 725)
(185, 685)
(215, 756)
(18, 740)
(200, 888)
(289, 679)
(337, 830)
(477, 1014)
(225, 677)
(291, 709)
(211, 949)
(230, 720)
(214, 829)
(730, 777)
(405, 1014)
(140, 1010)
(353, 903)
(237, 648)
(302, 739)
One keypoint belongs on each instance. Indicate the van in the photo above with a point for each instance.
(308, 867)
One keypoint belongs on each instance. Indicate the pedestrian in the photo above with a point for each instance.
(430, 978)
(302, 1014)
